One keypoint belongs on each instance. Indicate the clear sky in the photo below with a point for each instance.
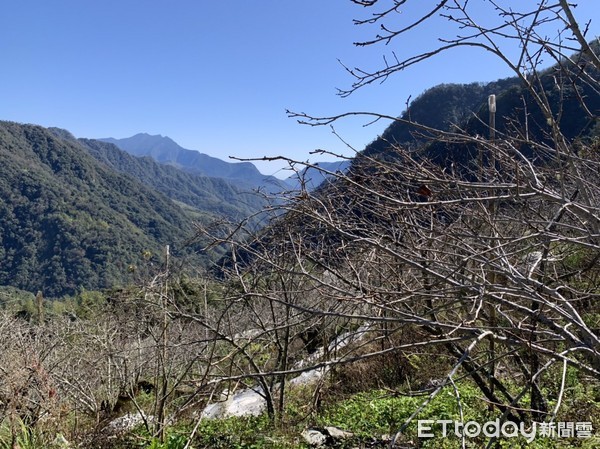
(215, 76)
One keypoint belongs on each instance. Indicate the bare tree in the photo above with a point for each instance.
(488, 254)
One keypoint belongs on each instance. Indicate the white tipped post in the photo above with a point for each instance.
(492, 108)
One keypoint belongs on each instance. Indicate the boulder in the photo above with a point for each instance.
(314, 438)
(338, 434)
(126, 423)
(248, 402)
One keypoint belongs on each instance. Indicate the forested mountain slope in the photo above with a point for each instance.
(70, 222)
(211, 197)
(463, 109)
(242, 175)
(456, 117)
(441, 107)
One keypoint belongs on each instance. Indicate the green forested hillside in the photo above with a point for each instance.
(69, 222)
(462, 108)
(441, 107)
(241, 175)
(212, 197)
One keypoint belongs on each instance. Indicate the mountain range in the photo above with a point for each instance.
(86, 214)
(312, 176)
(83, 214)
(441, 127)
(166, 151)
(89, 214)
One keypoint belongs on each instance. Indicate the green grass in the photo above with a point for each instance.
(375, 413)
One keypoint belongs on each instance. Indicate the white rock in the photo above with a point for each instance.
(314, 438)
(126, 423)
(308, 377)
(214, 411)
(338, 434)
(248, 402)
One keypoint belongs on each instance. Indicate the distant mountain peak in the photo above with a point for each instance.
(165, 150)
(150, 136)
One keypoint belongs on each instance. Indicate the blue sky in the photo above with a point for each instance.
(216, 76)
